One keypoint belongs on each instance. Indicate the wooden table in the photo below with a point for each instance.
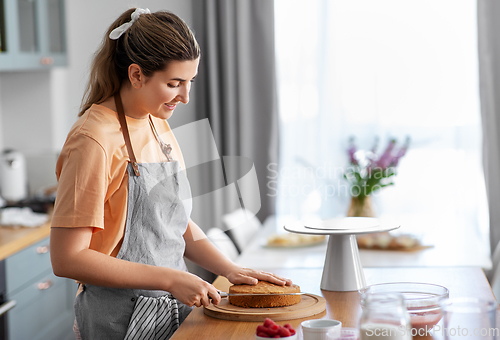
(466, 249)
(343, 306)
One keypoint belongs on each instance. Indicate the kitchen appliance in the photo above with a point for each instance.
(13, 177)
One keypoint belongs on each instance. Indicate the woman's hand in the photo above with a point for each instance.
(193, 291)
(239, 275)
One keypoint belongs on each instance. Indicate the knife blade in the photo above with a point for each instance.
(224, 294)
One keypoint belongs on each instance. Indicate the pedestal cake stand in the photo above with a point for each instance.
(342, 271)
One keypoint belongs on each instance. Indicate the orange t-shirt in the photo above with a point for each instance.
(92, 177)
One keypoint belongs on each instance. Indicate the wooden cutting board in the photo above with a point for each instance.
(309, 305)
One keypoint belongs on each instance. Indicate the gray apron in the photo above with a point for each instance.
(159, 206)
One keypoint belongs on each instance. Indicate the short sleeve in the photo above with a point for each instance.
(82, 173)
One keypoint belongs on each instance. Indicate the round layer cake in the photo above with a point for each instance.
(262, 298)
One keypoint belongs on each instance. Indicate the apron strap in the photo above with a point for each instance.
(126, 135)
(165, 148)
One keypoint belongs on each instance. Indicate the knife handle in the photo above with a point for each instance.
(222, 295)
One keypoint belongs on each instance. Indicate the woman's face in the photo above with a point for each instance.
(161, 92)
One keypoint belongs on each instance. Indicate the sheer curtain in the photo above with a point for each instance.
(489, 66)
(386, 69)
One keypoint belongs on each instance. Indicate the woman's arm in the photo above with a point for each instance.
(72, 258)
(201, 251)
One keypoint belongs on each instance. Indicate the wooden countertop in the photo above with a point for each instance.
(14, 239)
(343, 306)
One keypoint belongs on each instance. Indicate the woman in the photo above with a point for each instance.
(121, 223)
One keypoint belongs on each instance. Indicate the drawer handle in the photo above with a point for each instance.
(47, 61)
(7, 306)
(45, 285)
(42, 250)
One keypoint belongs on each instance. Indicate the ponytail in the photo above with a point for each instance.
(151, 42)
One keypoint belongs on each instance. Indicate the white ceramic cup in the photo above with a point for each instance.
(321, 329)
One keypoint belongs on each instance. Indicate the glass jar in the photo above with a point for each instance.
(384, 317)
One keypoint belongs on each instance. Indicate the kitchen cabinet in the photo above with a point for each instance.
(32, 34)
(44, 302)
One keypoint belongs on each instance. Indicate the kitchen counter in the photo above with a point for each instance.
(343, 306)
(14, 239)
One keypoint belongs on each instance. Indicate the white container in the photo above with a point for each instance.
(13, 182)
(321, 329)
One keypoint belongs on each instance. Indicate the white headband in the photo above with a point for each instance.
(117, 32)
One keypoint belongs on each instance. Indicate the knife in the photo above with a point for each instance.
(224, 294)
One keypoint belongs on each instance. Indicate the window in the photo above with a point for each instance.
(386, 69)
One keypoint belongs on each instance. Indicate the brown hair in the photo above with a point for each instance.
(151, 42)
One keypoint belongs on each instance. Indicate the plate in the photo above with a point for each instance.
(347, 224)
(386, 241)
(360, 225)
(293, 241)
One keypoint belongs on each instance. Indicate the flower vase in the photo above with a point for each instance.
(361, 207)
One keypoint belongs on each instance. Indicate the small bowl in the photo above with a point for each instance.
(422, 300)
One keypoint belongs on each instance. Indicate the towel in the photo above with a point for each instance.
(24, 217)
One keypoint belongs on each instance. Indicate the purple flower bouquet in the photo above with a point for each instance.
(369, 171)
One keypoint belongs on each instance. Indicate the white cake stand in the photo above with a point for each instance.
(342, 271)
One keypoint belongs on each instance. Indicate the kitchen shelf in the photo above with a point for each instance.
(33, 34)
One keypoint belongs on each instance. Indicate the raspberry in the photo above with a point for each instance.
(292, 331)
(261, 329)
(273, 329)
(268, 322)
(287, 325)
(263, 335)
(283, 332)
